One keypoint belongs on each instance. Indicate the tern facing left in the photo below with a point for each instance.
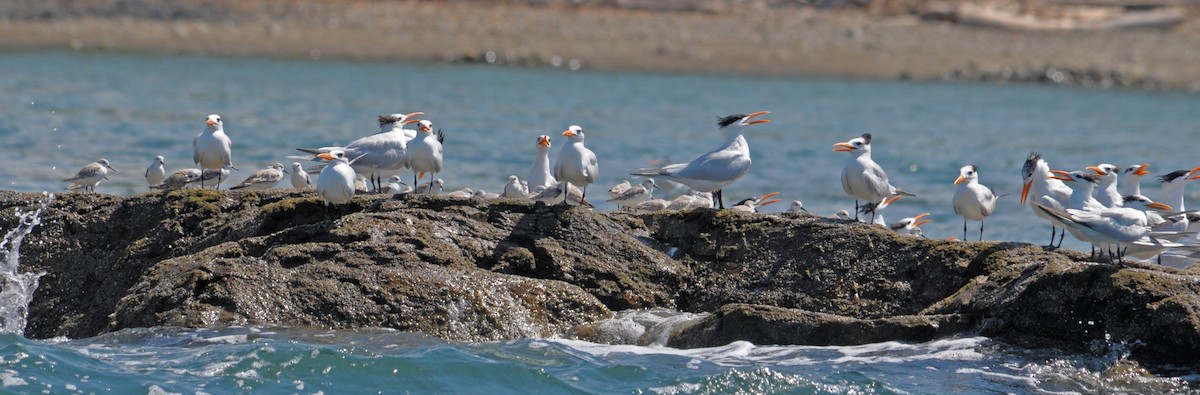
(862, 178)
(336, 183)
(716, 169)
(90, 176)
(576, 163)
(972, 200)
(211, 148)
(425, 152)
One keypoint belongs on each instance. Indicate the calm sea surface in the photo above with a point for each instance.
(61, 110)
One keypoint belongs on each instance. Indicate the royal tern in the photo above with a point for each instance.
(394, 186)
(1120, 226)
(862, 178)
(1131, 179)
(1173, 185)
(514, 189)
(617, 189)
(378, 154)
(796, 207)
(972, 200)
(157, 172)
(576, 164)
(716, 169)
(211, 148)
(539, 172)
(300, 178)
(635, 195)
(1081, 199)
(89, 176)
(1106, 177)
(910, 226)
(433, 187)
(336, 183)
(751, 205)
(1040, 184)
(263, 179)
(179, 179)
(425, 152)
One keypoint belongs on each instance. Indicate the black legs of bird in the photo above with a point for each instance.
(720, 200)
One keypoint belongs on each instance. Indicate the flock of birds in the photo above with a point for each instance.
(1117, 223)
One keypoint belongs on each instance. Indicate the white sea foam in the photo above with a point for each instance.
(16, 288)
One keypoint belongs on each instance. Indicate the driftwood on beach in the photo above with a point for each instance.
(981, 15)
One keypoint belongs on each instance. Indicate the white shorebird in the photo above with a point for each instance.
(539, 172)
(465, 193)
(179, 179)
(157, 172)
(910, 226)
(1106, 182)
(211, 149)
(263, 179)
(300, 178)
(635, 195)
(89, 176)
(395, 187)
(1131, 179)
(752, 205)
(797, 207)
(1119, 227)
(1040, 183)
(843, 215)
(336, 183)
(576, 164)
(972, 200)
(617, 189)
(652, 205)
(716, 169)
(514, 189)
(425, 152)
(433, 187)
(1173, 186)
(378, 154)
(360, 183)
(210, 175)
(862, 178)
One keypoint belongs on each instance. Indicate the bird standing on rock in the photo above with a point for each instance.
(211, 149)
(336, 182)
(862, 178)
(90, 176)
(576, 163)
(425, 152)
(716, 169)
(263, 179)
(157, 172)
(300, 179)
(972, 200)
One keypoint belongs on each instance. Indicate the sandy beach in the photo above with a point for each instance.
(769, 40)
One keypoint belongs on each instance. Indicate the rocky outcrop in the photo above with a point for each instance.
(475, 270)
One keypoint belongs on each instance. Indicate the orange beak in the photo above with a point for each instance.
(772, 201)
(959, 179)
(1025, 191)
(1159, 206)
(411, 121)
(1193, 172)
(1062, 175)
(1098, 170)
(764, 197)
(424, 128)
(211, 122)
(413, 114)
(754, 122)
(843, 147)
(569, 133)
(544, 141)
(1141, 171)
(920, 220)
(891, 200)
(326, 156)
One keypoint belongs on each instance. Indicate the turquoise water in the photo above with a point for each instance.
(286, 361)
(62, 110)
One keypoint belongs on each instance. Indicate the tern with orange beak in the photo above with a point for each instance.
(380, 154)
(1106, 181)
(910, 226)
(1131, 179)
(539, 173)
(972, 200)
(425, 152)
(211, 148)
(336, 183)
(862, 178)
(752, 205)
(716, 169)
(576, 164)
(1119, 227)
(1044, 189)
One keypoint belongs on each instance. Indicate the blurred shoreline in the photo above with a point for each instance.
(766, 37)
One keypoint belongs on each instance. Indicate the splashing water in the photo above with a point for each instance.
(16, 289)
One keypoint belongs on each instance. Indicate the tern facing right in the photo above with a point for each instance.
(716, 169)
(378, 153)
(179, 179)
(635, 195)
(263, 179)
(211, 148)
(90, 176)
(910, 226)
(862, 178)
(972, 200)
(1131, 179)
(1120, 226)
